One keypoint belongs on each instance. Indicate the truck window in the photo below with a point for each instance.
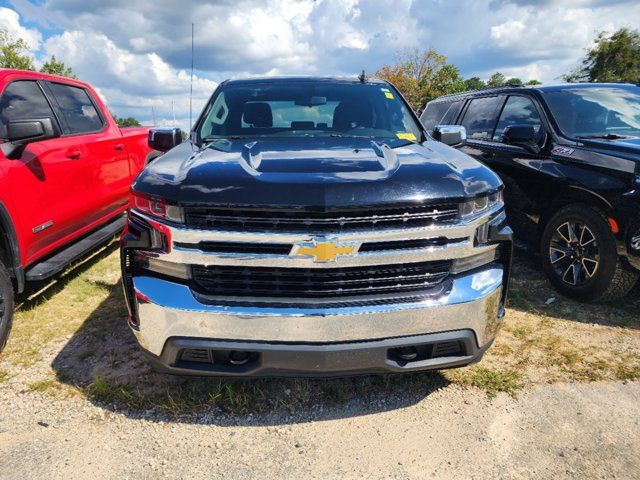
(78, 112)
(517, 111)
(480, 117)
(433, 114)
(21, 100)
(309, 109)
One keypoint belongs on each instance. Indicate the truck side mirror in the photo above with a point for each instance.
(25, 131)
(521, 136)
(452, 135)
(164, 139)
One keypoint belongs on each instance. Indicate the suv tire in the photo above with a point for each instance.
(580, 257)
(6, 305)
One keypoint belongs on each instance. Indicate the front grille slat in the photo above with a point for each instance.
(336, 221)
(313, 283)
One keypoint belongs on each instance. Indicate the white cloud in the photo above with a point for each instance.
(131, 83)
(10, 21)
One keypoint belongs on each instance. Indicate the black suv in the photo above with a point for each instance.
(569, 156)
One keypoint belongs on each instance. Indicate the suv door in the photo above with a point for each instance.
(518, 167)
(101, 146)
(47, 184)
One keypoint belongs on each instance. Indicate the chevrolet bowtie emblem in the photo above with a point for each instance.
(323, 250)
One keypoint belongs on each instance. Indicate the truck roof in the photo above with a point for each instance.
(33, 74)
(299, 79)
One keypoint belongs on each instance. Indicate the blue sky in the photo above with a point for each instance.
(137, 53)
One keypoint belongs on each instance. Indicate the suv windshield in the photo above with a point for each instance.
(309, 109)
(596, 111)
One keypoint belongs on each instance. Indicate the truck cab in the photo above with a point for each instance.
(65, 173)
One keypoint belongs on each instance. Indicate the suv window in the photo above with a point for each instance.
(77, 110)
(22, 99)
(517, 111)
(433, 114)
(451, 115)
(480, 117)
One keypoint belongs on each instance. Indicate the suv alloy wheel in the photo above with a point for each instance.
(580, 258)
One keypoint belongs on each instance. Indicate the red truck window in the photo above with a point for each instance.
(78, 112)
(22, 99)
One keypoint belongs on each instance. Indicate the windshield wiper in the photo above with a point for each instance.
(608, 136)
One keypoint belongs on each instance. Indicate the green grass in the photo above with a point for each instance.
(494, 381)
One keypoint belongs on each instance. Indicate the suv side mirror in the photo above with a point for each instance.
(521, 136)
(25, 131)
(452, 135)
(164, 139)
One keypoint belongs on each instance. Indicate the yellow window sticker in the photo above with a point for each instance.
(388, 94)
(406, 136)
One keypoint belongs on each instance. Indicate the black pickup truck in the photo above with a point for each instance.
(309, 226)
(569, 156)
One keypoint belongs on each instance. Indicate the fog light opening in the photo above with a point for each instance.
(239, 358)
(407, 354)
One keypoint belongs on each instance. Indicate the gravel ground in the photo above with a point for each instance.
(561, 431)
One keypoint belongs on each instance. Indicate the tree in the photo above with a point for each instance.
(613, 58)
(422, 76)
(13, 52)
(125, 122)
(54, 67)
(533, 82)
(474, 83)
(513, 81)
(496, 80)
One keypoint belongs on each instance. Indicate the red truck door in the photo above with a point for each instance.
(102, 148)
(46, 188)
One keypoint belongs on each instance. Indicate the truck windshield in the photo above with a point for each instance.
(596, 112)
(309, 109)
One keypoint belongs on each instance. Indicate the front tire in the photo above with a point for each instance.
(580, 258)
(6, 305)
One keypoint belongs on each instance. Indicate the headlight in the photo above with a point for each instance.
(480, 205)
(157, 207)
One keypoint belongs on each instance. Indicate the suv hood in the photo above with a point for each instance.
(319, 172)
(627, 148)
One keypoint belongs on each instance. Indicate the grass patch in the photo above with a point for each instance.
(494, 381)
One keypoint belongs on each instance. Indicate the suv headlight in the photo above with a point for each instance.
(480, 205)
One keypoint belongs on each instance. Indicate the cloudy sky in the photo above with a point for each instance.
(137, 53)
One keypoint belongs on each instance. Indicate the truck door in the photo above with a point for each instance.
(48, 183)
(102, 146)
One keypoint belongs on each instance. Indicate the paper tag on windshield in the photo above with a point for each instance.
(388, 94)
(406, 136)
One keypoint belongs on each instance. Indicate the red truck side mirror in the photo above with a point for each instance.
(25, 131)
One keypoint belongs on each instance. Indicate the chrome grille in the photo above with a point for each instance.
(312, 221)
(318, 283)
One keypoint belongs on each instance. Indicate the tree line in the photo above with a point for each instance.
(422, 76)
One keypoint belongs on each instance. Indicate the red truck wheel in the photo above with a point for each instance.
(6, 306)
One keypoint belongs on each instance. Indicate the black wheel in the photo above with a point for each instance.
(6, 305)
(580, 258)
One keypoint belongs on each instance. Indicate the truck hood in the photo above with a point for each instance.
(319, 172)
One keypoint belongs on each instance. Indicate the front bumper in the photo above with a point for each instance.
(297, 341)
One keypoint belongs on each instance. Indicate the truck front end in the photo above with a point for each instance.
(353, 255)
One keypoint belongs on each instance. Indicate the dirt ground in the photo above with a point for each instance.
(557, 395)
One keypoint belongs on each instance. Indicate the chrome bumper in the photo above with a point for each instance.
(168, 310)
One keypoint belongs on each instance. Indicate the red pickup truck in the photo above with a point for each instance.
(65, 172)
